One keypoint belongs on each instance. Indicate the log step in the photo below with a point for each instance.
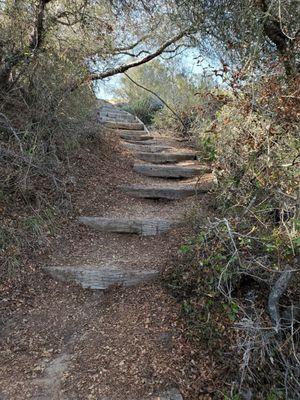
(101, 277)
(122, 119)
(166, 157)
(136, 136)
(113, 109)
(171, 170)
(117, 115)
(133, 126)
(142, 148)
(156, 141)
(155, 192)
(185, 189)
(133, 132)
(143, 227)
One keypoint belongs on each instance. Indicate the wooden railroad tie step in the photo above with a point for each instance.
(143, 227)
(104, 119)
(101, 277)
(156, 192)
(138, 136)
(166, 157)
(156, 141)
(142, 148)
(171, 170)
(125, 125)
(131, 132)
(117, 114)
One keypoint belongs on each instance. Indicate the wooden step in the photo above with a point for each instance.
(171, 170)
(108, 106)
(101, 277)
(117, 114)
(104, 119)
(136, 136)
(133, 126)
(109, 117)
(154, 192)
(168, 192)
(141, 148)
(113, 110)
(143, 227)
(166, 157)
(134, 132)
(156, 141)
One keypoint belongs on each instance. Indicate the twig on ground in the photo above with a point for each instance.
(7, 125)
(277, 291)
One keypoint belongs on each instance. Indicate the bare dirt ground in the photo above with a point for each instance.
(59, 341)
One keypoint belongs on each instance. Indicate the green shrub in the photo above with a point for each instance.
(144, 108)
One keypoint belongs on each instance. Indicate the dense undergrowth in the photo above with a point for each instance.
(36, 146)
(239, 272)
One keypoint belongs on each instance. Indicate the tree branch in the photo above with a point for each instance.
(276, 292)
(129, 47)
(125, 67)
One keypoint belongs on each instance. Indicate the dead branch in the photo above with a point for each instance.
(277, 291)
(22, 159)
(8, 126)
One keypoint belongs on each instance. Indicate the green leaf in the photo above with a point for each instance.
(184, 249)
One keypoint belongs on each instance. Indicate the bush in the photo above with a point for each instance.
(176, 89)
(144, 108)
(40, 128)
(240, 269)
(189, 98)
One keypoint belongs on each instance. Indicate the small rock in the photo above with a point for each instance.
(171, 394)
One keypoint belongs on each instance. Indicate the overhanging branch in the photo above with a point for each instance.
(125, 67)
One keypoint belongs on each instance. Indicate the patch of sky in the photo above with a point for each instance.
(189, 62)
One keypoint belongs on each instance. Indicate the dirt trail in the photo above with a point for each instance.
(64, 342)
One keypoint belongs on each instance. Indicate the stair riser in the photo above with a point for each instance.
(121, 119)
(171, 172)
(116, 114)
(138, 227)
(137, 137)
(126, 126)
(132, 132)
(155, 142)
(150, 149)
(101, 278)
(112, 109)
(165, 158)
(167, 194)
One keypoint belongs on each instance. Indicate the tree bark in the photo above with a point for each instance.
(284, 44)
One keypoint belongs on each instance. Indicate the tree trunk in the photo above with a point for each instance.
(34, 44)
(284, 44)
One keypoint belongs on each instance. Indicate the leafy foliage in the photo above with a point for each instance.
(227, 271)
(174, 86)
